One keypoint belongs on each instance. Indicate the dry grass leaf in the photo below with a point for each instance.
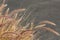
(48, 22)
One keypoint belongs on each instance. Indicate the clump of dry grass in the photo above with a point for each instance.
(9, 29)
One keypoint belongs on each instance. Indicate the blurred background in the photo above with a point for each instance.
(41, 10)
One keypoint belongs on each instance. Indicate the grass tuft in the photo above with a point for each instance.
(9, 29)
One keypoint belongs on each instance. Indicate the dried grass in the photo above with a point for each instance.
(9, 29)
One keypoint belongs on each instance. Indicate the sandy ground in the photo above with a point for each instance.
(42, 10)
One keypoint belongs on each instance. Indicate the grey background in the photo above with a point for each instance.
(41, 10)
